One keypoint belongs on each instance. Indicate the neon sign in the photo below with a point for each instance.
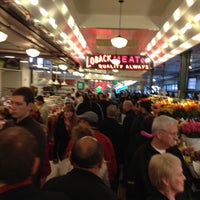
(127, 62)
(119, 89)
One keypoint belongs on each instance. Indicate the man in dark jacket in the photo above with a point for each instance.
(83, 181)
(127, 107)
(165, 136)
(111, 128)
(22, 102)
(130, 116)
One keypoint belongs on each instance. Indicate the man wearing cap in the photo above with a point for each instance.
(89, 119)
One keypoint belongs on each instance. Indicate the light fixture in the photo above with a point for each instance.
(63, 83)
(62, 67)
(43, 81)
(32, 52)
(119, 41)
(34, 2)
(56, 82)
(50, 82)
(3, 36)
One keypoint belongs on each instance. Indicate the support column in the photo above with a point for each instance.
(183, 74)
(163, 76)
(151, 75)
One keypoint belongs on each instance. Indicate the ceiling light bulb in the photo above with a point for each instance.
(32, 52)
(34, 2)
(197, 17)
(43, 12)
(3, 36)
(62, 67)
(164, 45)
(119, 42)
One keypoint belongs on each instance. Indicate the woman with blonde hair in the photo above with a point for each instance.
(166, 175)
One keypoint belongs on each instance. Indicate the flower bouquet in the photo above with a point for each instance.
(190, 128)
(190, 131)
(189, 153)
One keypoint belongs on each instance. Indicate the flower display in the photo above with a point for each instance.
(190, 128)
(189, 154)
(177, 108)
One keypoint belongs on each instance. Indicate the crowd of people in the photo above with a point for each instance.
(102, 150)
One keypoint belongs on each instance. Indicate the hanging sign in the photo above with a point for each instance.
(127, 62)
(80, 85)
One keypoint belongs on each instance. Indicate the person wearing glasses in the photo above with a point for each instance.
(165, 137)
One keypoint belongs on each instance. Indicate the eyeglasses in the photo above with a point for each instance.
(173, 134)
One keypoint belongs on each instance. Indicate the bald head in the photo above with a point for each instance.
(87, 152)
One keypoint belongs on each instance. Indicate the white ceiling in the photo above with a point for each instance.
(98, 22)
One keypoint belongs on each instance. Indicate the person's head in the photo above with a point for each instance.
(112, 111)
(127, 105)
(77, 94)
(70, 116)
(22, 103)
(79, 132)
(101, 96)
(166, 173)
(165, 131)
(145, 106)
(87, 153)
(88, 119)
(39, 100)
(69, 111)
(17, 155)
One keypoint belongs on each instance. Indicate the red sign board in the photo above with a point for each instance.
(127, 62)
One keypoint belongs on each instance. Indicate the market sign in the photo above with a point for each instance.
(80, 85)
(127, 62)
